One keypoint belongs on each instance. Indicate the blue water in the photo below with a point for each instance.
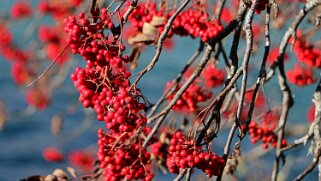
(24, 137)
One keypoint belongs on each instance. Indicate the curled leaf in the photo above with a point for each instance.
(141, 38)
(56, 123)
(158, 21)
(149, 29)
(60, 174)
(72, 172)
(134, 56)
(51, 177)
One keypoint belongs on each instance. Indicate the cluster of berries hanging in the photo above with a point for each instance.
(311, 113)
(194, 22)
(265, 131)
(301, 76)
(213, 76)
(82, 159)
(58, 9)
(307, 53)
(104, 86)
(14, 55)
(20, 70)
(53, 42)
(23, 65)
(183, 153)
(21, 9)
(197, 93)
(191, 98)
(52, 154)
(121, 159)
(273, 55)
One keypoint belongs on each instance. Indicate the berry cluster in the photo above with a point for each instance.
(58, 9)
(54, 42)
(20, 73)
(159, 149)
(24, 66)
(307, 53)
(143, 13)
(184, 154)
(7, 48)
(104, 86)
(273, 55)
(189, 102)
(213, 76)
(259, 100)
(52, 154)
(120, 159)
(193, 22)
(300, 76)
(21, 9)
(265, 131)
(38, 98)
(82, 159)
(311, 113)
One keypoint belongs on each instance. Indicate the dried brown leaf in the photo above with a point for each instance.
(34, 178)
(3, 120)
(56, 122)
(158, 21)
(141, 38)
(134, 56)
(60, 174)
(51, 177)
(72, 172)
(149, 29)
(278, 23)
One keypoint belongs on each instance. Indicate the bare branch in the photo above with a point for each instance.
(262, 73)
(180, 175)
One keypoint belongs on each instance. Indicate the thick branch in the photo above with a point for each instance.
(262, 73)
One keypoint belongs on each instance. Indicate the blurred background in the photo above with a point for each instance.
(27, 130)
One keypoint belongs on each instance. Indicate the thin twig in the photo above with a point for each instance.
(180, 175)
(219, 8)
(49, 67)
(129, 11)
(311, 166)
(188, 174)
